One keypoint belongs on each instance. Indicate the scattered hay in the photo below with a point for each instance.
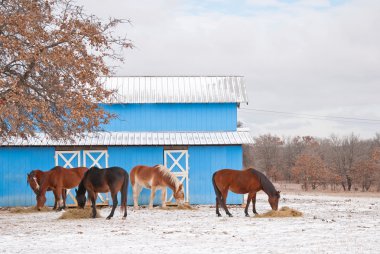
(182, 207)
(30, 209)
(283, 212)
(77, 213)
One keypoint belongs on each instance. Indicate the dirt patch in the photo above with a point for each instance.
(31, 209)
(77, 213)
(283, 212)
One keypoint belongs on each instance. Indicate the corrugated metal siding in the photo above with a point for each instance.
(143, 138)
(129, 157)
(15, 163)
(176, 89)
(172, 117)
(204, 161)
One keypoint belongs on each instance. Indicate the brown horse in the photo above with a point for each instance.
(104, 180)
(243, 181)
(58, 179)
(34, 179)
(156, 177)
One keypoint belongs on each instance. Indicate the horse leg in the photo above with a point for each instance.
(58, 193)
(163, 197)
(114, 204)
(152, 194)
(217, 207)
(92, 196)
(248, 202)
(55, 200)
(136, 192)
(64, 196)
(224, 205)
(254, 203)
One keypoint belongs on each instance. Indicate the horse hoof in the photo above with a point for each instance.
(229, 215)
(247, 215)
(108, 218)
(219, 215)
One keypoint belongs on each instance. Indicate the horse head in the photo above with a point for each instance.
(81, 198)
(274, 199)
(179, 195)
(33, 182)
(41, 199)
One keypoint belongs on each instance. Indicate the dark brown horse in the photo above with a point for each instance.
(58, 179)
(34, 179)
(241, 182)
(104, 180)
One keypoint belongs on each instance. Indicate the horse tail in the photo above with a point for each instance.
(124, 193)
(217, 191)
(132, 175)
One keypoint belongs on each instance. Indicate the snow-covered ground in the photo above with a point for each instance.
(331, 224)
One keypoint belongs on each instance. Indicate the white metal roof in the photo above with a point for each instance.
(178, 89)
(141, 139)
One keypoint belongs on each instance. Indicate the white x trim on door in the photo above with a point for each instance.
(67, 161)
(94, 161)
(183, 173)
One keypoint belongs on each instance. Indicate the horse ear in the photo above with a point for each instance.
(76, 191)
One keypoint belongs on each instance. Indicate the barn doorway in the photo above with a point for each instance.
(83, 158)
(177, 161)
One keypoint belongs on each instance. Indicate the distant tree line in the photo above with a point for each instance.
(347, 163)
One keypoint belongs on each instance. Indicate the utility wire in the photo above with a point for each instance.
(318, 117)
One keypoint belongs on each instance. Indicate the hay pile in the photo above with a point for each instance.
(78, 213)
(30, 209)
(182, 207)
(283, 212)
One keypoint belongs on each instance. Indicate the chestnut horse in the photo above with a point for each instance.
(104, 180)
(241, 182)
(156, 177)
(58, 179)
(34, 179)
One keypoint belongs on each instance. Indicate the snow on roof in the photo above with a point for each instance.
(177, 89)
(141, 138)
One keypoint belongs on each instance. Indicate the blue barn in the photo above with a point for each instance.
(188, 124)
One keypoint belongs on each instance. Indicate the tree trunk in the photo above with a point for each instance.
(349, 182)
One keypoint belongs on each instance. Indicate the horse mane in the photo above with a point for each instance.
(167, 175)
(81, 188)
(267, 185)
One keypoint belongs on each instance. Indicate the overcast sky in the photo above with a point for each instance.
(310, 57)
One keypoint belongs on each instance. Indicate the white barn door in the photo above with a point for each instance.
(177, 161)
(68, 159)
(91, 158)
(97, 158)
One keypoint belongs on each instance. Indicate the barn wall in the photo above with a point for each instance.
(173, 117)
(15, 163)
(203, 162)
(128, 157)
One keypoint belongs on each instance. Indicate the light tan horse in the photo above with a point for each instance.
(153, 178)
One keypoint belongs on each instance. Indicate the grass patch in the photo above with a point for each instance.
(283, 212)
(78, 213)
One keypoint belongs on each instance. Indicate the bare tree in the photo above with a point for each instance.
(51, 55)
(266, 154)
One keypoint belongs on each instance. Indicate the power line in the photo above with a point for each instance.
(318, 117)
